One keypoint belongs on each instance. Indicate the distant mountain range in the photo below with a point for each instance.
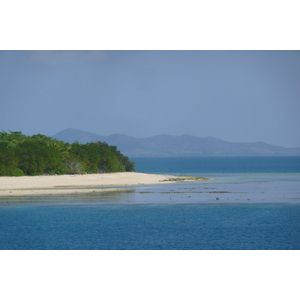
(184, 145)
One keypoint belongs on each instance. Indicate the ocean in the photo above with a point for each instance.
(250, 203)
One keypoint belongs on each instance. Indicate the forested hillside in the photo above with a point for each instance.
(39, 154)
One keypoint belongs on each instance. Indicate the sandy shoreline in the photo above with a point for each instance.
(69, 184)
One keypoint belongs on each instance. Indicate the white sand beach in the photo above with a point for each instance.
(69, 184)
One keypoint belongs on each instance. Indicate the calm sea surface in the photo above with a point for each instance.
(251, 203)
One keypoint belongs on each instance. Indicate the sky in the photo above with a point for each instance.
(237, 96)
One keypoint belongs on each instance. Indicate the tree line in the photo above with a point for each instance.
(38, 154)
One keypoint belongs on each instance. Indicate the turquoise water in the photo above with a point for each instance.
(251, 203)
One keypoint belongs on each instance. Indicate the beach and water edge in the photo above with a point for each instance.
(73, 184)
(249, 204)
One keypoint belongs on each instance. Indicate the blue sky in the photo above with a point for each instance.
(238, 96)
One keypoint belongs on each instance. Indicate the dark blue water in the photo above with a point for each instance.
(253, 203)
(182, 227)
(192, 165)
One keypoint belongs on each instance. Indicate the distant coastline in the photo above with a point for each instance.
(185, 145)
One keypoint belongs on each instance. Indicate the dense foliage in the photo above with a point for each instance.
(39, 154)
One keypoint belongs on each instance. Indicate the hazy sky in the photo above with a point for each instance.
(238, 96)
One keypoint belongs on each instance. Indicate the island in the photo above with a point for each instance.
(41, 165)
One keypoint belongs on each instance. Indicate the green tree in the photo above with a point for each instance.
(8, 160)
(40, 154)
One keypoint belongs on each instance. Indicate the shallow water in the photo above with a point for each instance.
(225, 188)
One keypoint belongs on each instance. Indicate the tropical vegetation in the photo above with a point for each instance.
(39, 155)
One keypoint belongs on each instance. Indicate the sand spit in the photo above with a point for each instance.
(69, 184)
